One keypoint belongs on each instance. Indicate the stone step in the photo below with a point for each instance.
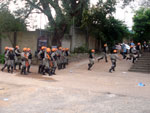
(142, 64)
(148, 62)
(146, 68)
(144, 59)
(137, 70)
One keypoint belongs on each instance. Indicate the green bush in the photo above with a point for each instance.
(2, 59)
(81, 49)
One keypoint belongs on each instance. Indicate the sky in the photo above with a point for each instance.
(38, 21)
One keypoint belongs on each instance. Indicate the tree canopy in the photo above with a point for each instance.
(65, 11)
(102, 24)
(8, 23)
(141, 25)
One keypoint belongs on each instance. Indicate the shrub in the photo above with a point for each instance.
(2, 58)
(81, 49)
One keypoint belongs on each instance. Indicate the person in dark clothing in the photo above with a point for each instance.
(138, 48)
(67, 55)
(124, 50)
(11, 59)
(25, 62)
(145, 46)
(54, 60)
(133, 54)
(113, 58)
(6, 58)
(91, 59)
(41, 55)
(105, 49)
(48, 62)
(17, 57)
(149, 46)
(60, 58)
(29, 59)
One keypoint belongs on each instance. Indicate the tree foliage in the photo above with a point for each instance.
(141, 25)
(65, 11)
(8, 23)
(102, 24)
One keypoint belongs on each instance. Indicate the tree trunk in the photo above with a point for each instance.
(99, 45)
(87, 38)
(58, 36)
(0, 45)
(14, 39)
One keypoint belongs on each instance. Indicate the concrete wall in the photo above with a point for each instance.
(92, 42)
(6, 41)
(79, 39)
(66, 41)
(29, 39)
(24, 39)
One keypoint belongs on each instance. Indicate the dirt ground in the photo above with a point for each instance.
(76, 90)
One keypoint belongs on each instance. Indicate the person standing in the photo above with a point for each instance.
(145, 46)
(6, 58)
(41, 58)
(59, 58)
(17, 57)
(67, 55)
(25, 63)
(29, 59)
(149, 46)
(132, 43)
(11, 59)
(47, 67)
(91, 59)
(64, 60)
(54, 60)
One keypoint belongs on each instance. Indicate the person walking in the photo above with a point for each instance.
(113, 58)
(91, 59)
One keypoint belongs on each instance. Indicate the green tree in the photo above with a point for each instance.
(8, 23)
(141, 25)
(99, 21)
(65, 12)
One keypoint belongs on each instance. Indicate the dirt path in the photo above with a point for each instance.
(76, 90)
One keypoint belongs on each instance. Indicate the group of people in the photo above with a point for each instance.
(50, 59)
(14, 57)
(113, 57)
(128, 51)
